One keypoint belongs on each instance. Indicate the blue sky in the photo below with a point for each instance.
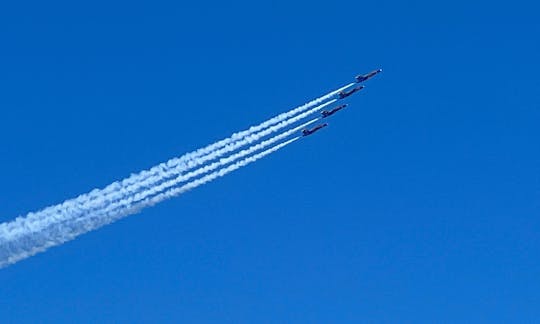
(418, 204)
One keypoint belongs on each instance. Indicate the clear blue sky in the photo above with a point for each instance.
(420, 203)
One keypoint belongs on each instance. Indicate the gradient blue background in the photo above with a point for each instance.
(418, 204)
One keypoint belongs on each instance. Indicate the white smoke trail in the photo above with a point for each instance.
(151, 201)
(12, 251)
(212, 176)
(150, 181)
(130, 200)
(40, 221)
(118, 189)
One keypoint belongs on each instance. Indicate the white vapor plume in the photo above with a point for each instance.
(218, 153)
(45, 221)
(128, 201)
(212, 176)
(14, 250)
(151, 181)
(119, 189)
(42, 220)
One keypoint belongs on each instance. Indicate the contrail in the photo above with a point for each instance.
(12, 251)
(218, 153)
(171, 172)
(148, 202)
(128, 201)
(41, 220)
(45, 221)
(118, 189)
(212, 176)
(229, 144)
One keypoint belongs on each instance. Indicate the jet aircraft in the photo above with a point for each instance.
(367, 76)
(307, 132)
(326, 113)
(345, 94)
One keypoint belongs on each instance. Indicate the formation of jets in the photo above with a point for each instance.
(342, 95)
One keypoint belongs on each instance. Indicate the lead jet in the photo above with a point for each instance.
(326, 113)
(345, 94)
(364, 77)
(307, 132)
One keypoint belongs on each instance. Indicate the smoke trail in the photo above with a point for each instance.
(229, 144)
(127, 201)
(216, 154)
(39, 221)
(45, 221)
(150, 181)
(32, 242)
(212, 176)
(114, 191)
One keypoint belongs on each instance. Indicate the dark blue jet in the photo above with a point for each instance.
(307, 132)
(345, 94)
(326, 113)
(364, 77)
